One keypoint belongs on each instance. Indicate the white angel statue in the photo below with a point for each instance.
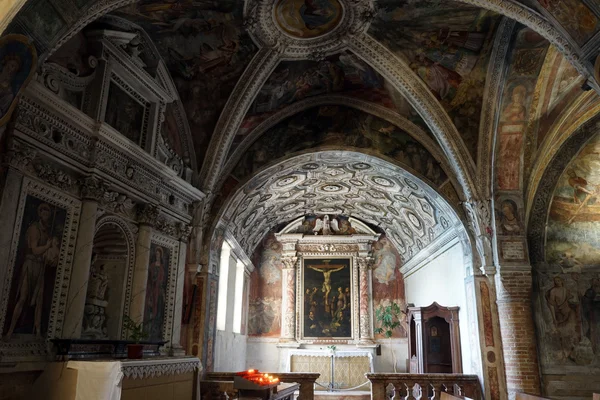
(328, 227)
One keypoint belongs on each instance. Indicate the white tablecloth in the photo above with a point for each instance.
(98, 380)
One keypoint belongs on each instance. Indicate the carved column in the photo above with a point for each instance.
(288, 303)
(176, 348)
(366, 334)
(147, 215)
(92, 190)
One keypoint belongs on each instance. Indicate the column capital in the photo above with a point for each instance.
(365, 262)
(147, 214)
(289, 262)
(92, 188)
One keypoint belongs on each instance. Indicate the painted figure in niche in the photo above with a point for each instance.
(509, 218)
(591, 314)
(564, 307)
(156, 290)
(17, 65)
(326, 280)
(516, 111)
(35, 266)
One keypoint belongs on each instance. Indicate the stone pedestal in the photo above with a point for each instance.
(288, 304)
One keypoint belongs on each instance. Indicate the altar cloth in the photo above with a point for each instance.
(98, 380)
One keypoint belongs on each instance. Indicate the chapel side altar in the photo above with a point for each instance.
(156, 378)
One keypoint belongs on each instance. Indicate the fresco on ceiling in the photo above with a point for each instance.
(339, 127)
(206, 52)
(44, 20)
(293, 81)
(308, 18)
(264, 310)
(575, 17)
(388, 282)
(17, 64)
(448, 45)
(525, 65)
(573, 233)
(170, 131)
(567, 315)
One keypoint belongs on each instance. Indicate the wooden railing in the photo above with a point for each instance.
(423, 386)
(305, 380)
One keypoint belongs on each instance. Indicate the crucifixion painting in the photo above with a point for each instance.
(327, 305)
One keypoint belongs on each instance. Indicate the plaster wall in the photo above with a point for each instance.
(443, 280)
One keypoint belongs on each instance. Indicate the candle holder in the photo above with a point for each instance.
(252, 383)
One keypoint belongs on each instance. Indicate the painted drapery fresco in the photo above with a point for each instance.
(206, 51)
(341, 127)
(327, 298)
(573, 233)
(308, 18)
(388, 282)
(448, 45)
(18, 60)
(34, 271)
(156, 290)
(527, 59)
(264, 311)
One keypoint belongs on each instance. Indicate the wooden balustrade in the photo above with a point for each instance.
(423, 386)
(305, 380)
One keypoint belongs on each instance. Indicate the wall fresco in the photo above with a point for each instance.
(448, 45)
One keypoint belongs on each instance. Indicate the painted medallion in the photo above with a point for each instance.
(308, 18)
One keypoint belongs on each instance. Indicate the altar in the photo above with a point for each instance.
(340, 370)
(160, 378)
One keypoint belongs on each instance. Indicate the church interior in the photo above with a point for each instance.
(299, 199)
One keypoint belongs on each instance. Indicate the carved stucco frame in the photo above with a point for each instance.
(26, 350)
(170, 293)
(130, 241)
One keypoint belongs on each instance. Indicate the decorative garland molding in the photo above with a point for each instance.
(143, 369)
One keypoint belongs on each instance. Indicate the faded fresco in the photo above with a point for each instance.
(568, 318)
(170, 130)
(527, 60)
(327, 298)
(264, 311)
(156, 291)
(206, 51)
(575, 17)
(18, 60)
(307, 18)
(293, 81)
(573, 233)
(124, 113)
(448, 45)
(388, 282)
(340, 127)
(34, 271)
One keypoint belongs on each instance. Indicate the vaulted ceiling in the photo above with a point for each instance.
(432, 86)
